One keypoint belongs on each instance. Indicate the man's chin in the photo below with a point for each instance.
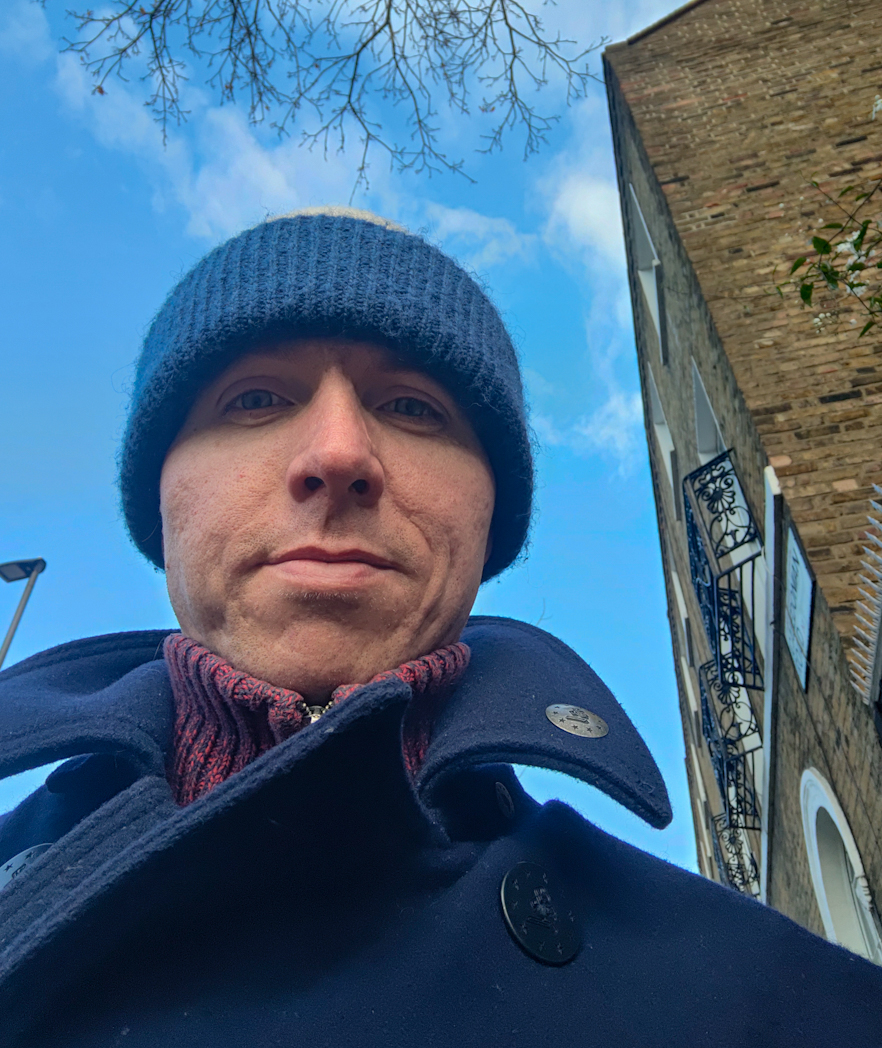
(328, 599)
(332, 644)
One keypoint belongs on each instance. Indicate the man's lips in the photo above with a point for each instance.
(317, 555)
(318, 570)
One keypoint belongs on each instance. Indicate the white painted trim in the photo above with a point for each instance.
(662, 430)
(700, 399)
(647, 264)
(691, 697)
(703, 831)
(772, 514)
(815, 795)
(678, 596)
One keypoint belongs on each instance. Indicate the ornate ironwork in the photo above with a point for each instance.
(734, 710)
(734, 859)
(724, 544)
(728, 729)
(717, 491)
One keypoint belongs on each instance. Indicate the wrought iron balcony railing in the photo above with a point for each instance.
(724, 545)
(734, 859)
(734, 711)
(730, 730)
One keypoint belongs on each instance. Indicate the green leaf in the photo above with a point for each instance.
(869, 324)
(847, 189)
(805, 293)
(801, 261)
(821, 245)
(833, 225)
(829, 274)
(858, 241)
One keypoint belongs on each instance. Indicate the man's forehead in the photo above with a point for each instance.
(372, 356)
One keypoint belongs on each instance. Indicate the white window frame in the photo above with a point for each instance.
(708, 438)
(683, 613)
(662, 432)
(649, 274)
(703, 831)
(838, 875)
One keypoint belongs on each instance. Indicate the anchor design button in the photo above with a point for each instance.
(538, 916)
(577, 721)
(10, 869)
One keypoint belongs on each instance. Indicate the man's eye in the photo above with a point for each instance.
(255, 400)
(412, 407)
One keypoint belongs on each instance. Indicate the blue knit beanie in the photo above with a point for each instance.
(339, 273)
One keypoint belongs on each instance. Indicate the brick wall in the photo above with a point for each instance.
(737, 104)
(720, 115)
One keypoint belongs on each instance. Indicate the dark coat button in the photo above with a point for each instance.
(538, 916)
(504, 800)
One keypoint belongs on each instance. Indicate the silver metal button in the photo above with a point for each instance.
(577, 721)
(18, 863)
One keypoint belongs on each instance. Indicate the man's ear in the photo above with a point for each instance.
(489, 548)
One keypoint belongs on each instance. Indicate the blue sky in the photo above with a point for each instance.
(99, 222)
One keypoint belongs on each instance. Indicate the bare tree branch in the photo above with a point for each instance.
(339, 60)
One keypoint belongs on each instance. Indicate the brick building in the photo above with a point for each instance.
(764, 426)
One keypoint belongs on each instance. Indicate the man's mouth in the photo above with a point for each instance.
(318, 555)
(315, 568)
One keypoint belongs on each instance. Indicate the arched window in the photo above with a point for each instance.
(837, 871)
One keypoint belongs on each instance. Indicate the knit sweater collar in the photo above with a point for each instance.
(224, 719)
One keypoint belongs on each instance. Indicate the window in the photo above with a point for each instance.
(690, 651)
(837, 871)
(649, 273)
(707, 431)
(662, 435)
(703, 825)
(684, 620)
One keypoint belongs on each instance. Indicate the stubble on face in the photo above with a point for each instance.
(234, 499)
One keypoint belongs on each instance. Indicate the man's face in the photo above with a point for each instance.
(325, 514)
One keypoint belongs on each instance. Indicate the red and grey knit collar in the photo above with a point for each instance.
(224, 719)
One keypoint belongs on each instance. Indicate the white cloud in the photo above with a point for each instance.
(584, 215)
(239, 180)
(24, 32)
(218, 170)
(118, 120)
(226, 174)
(615, 428)
(480, 241)
(537, 384)
(580, 194)
(582, 226)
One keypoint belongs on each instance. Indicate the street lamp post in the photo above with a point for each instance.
(14, 571)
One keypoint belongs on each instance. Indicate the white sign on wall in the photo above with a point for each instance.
(798, 592)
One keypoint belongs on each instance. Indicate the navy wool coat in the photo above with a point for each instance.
(319, 898)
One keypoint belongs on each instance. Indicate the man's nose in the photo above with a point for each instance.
(334, 454)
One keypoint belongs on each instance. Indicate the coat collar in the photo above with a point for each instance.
(111, 694)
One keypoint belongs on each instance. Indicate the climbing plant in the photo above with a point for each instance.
(846, 256)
